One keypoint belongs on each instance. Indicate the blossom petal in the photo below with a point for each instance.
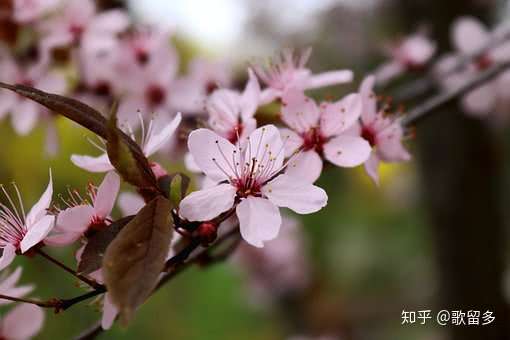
(480, 101)
(8, 255)
(157, 140)
(250, 97)
(75, 219)
(368, 98)
(298, 111)
(130, 203)
(23, 321)
(329, 78)
(306, 166)
(291, 140)
(106, 194)
(338, 117)
(268, 95)
(24, 116)
(109, 312)
(61, 239)
(347, 151)
(39, 209)
(212, 153)
(372, 167)
(263, 143)
(259, 220)
(301, 197)
(208, 203)
(469, 34)
(37, 233)
(92, 164)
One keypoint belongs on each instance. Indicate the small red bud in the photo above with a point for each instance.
(207, 232)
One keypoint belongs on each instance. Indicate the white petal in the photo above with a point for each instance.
(264, 142)
(157, 140)
(75, 219)
(372, 167)
(300, 196)
(208, 203)
(480, 101)
(212, 153)
(329, 78)
(39, 209)
(306, 166)
(130, 203)
(24, 116)
(92, 164)
(37, 233)
(368, 97)
(259, 220)
(106, 194)
(109, 312)
(347, 151)
(469, 34)
(22, 322)
(250, 97)
(291, 140)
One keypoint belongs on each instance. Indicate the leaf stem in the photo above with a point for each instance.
(56, 262)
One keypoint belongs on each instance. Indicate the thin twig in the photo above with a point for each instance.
(422, 85)
(422, 110)
(46, 304)
(88, 281)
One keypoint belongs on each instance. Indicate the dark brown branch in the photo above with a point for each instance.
(422, 110)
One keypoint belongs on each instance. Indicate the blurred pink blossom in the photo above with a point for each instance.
(411, 53)
(288, 71)
(22, 322)
(470, 36)
(250, 174)
(20, 232)
(8, 286)
(27, 11)
(319, 132)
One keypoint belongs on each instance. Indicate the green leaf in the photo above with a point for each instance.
(92, 257)
(178, 185)
(135, 259)
(133, 167)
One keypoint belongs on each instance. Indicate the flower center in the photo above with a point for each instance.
(155, 95)
(210, 86)
(313, 140)
(76, 31)
(369, 135)
(141, 55)
(102, 88)
(233, 135)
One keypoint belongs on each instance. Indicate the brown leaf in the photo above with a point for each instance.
(92, 257)
(136, 257)
(133, 167)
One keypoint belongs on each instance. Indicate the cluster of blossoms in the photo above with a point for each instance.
(248, 170)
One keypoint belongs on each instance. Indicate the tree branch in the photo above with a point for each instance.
(422, 85)
(427, 107)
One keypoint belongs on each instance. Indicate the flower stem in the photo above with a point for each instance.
(46, 304)
(88, 281)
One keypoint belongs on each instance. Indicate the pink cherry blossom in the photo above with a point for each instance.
(20, 232)
(80, 216)
(190, 92)
(151, 142)
(288, 71)
(383, 133)
(278, 269)
(470, 36)
(24, 112)
(79, 22)
(250, 180)
(8, 286)
(26, 11)
(320, 132)
(22, 322)
(231, 114)
(411, 53)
